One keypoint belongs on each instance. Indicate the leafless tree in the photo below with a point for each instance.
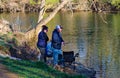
(31, 34)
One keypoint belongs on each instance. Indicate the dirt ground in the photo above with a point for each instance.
(5, 73)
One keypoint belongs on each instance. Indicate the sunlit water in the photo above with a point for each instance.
(95, 36)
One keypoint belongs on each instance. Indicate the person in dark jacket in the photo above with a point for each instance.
(57, 42)
(42, 42)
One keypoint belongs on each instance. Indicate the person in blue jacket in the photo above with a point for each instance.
(49, 52)
(42, 42)
(57, 42)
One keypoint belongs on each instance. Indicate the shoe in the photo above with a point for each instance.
(56, 66)
(62, 66)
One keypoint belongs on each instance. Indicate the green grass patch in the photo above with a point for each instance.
(116, 3)
(6, 41)
(32, 2)
(47, 2)
(3, 45)
(29, 69)
(52, 1)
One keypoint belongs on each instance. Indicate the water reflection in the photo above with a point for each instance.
(87, 33)
(20, 21)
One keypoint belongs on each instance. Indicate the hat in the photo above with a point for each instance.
(59, 27)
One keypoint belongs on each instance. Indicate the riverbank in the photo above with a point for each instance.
(10, 45)
(29, 69)
(19, 55)
(13, 6)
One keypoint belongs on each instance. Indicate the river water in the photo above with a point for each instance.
(96, 36)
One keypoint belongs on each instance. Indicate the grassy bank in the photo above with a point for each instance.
(28, 69)
(47, 2)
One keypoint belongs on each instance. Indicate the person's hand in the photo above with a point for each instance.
(63, 43)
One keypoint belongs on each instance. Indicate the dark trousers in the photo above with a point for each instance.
(61, 60)
(43, 54)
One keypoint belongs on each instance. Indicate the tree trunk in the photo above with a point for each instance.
(32, 34)
(45, 21)
(42, 10)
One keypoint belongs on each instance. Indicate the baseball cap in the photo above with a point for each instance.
(59, 27)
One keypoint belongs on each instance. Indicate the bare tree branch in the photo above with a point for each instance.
(42, 10)
(46, 20)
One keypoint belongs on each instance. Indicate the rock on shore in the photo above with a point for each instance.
(4, 27)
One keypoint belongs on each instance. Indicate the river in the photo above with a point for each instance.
(96, 36)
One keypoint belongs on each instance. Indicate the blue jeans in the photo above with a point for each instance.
(56, 52)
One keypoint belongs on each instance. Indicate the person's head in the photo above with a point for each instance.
(44, 28)
(59, 28)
